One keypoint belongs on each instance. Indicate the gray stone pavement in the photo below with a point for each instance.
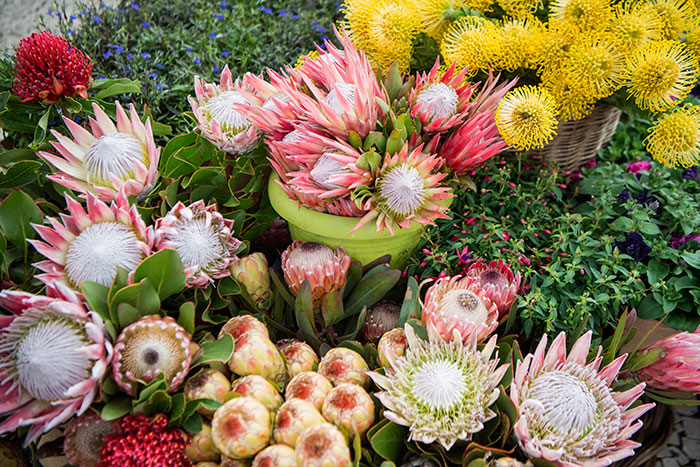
(683, 448)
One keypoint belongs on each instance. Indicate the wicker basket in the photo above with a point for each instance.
(654, 436)
(578, 141)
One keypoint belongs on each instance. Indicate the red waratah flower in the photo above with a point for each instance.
(498, 282)
(48, 67)
(140, 441)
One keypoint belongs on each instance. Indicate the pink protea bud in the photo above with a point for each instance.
(323, 445)
(252, 273)
(260, 389)
(82, 439)
(498, 282)
(293, 418)
(201, 447)
(278, 455)
(381, 317)
(391, 346)
(240, 325)
(348, 406)
(309, 386)
(678, 368)
(299, 355)
(255, 354)
(341, 365)
(241, 427)
(207, 384)
(325, 269)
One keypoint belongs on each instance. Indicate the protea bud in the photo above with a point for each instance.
(678, 368)
(229, 462)
(201, 447)
(255, 354)
(293, 418)
(499, 283)
(391, 346)
(241, 427)
(309, 386)
(252, 272)
(207, 384)
(381, 317)
(323, 445)
(325, 269)
(299, 355)
(278, 455)
(208, 464)
(243, 324)
(341, 365)
(82, 439)
(348, 406)
(260, 389)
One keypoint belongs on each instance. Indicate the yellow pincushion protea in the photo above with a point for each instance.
(526, 118)
(634, 24)
(520, 8)
(675, 137)
(571, 102)
(586, 15)
(552, 47)
(595, 64)
(675, 16)
(692, 37)
(518, 38)
(436, 15)
(472, 43)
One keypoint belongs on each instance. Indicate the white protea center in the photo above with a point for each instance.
(309, 255)
(271, 102)
(95, 254)
(440, 384)
(292, 137)
(113, 155)
(569, 405)
(347, 90)
(324, 169)
(402, 190)
(221, 108)
(439, 100)
(198, 242)
(463, 304)
(150, 351)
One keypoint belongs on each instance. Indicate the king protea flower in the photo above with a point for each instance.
(498, 282)
(48, 67)
(107, 159)
(219, 119)
(567, 411)
(449, 411)
(459, 304)
(82, 439)
(53, 354)
(678, 368)
(91, 245)
(202, 238)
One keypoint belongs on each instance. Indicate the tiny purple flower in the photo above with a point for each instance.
(212, 35)
(145, 54)
(692, 173)
(219, 16)
(624, 196)
(134, 7)
(197, 61)
(225, 53)
(145, 24)
(634, 246)
(96, 19)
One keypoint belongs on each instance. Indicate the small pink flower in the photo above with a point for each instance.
(636, 167)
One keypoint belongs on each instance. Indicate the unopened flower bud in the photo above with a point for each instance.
(391, 346)
(207, 384)
(293, 418)
(252, 272)
(299, 355)
(309, 386)
(201, 447)
(341, 365)
(260, 389)
(381, 317)
(348, 406)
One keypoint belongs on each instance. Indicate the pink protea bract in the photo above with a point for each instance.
(678, 368)
(498, 282)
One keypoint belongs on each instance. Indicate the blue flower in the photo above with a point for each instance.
(225, 53)
(97, 19)
(189, 49)
(145, 24)
(645, 200)
(197, 61)
(282, 12)
(324, 38)
(107, 54)
(216, 69)
(314, 24)
(295, 16)
(70, 32)
(634, 246)
(158, 65)
(159, 87)
(624, 196)
(135, 7)
(692, 173)
(321, 29)
(145, 54)
(223, 4)
(153, 76)
(219, 16)
(72, 17)
(130, 56)
(50, 12)
(128, 68)
(121, 10)
(212, 35)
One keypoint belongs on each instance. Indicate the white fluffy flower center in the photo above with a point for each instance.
(309, 256)
(152, 351)
(465, 305)
(98, 250)
(347, 90)
(440, 384)
(198, 243)
(220, 108)
(114, 155)
(271, 102)
(324, 169)
(439, 100)
(292, 137)
(403, 190)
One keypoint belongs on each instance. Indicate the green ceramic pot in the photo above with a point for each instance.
(364, 245)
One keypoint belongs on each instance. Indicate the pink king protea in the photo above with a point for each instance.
(499, 283)
(678, 369)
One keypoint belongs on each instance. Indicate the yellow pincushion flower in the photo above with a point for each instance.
(471, 42)
(587, 15)
(675, 137)
(692, 38)
(517, 38)
(436, 15)
(595, 64)
(520, 8)
(312, 55)
(552, 47)
(675, 16)
(526, 118)
(634, 24)
(660, 74)
(572, 103)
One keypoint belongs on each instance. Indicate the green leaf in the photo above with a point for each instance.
(141, 296)
(657, 271)
(165, 271)
(371, 289)
(303, 311)
(692, 259)
(40, 130)
(219, 350)
(127, 314)
(16, 155)
(193, 424)
(181, 156)
(387, 440)
(114, 87)
(186, 317)
(332, 307)
(17, 211)
(354, 276)
(116, 408)
(649, 228)
(410, 302)
(19, 174)
(623, 224)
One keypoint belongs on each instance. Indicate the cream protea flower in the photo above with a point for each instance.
(526, 118)
(219, 119)
(255, 354)
(348, 406)
(241, 427)
(260, 389)
(323, 446)
(293, 418)
(567, 412)
(341, 365)
(460, 304)
(53, 354)
(326, 269)
(309, 386)
(675, 137)
(277, 455)
(91, 245)
(678, 368)
(149, 347)
(201, 447)
(407, 189)
(82, 439)
(299, 355)
(392, 345)
(449, 411)
(243, 324)
(108, 159)
(209, 383)
(381, 317)
(499, 283)
(252, 273)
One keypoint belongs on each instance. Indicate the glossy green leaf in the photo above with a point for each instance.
(116, 408)
(332, 307)
(388, 440)
(40, 130)
(19, 174)
(219, 350)
(16, 155)
(165, 272)
(186, 318)
(96, 296)
(303, 310)
(370, 290)
(141, 296)
(410, 302)
(115, 87)
(17, 211)
(127, 314)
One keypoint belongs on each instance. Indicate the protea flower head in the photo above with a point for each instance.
(348, 406)
(309, 386)
(243, 324)
(255, 354)
(219, 119)
(299, 355)
(406, 189)
(251, 272)
(381, 317)
(149, 347)
(201, 447)
(209, 383)
(460, 304)
(277, 455)
(203, 239)
(341, 365)
(139, 440)
(107, 159)
(48, 67)
(53, 354)
(498, 282)
(678, 368)
(293, 418)
(325, 268)
(392, 345)
(567, 411)
(83, 439)
(241, 427)
(322, 445)
(260, 389)
(446, 412)
(91, 245)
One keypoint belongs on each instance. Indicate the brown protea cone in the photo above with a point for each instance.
(207, 384)
(309, 386)
(82, 440)
(293, 418)
(299, 355)
(381, 317)
(323, 445)
(201, 447)
(348, 406)
(341, 365)
(260, 389)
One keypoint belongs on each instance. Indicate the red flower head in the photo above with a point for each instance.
(48, 67)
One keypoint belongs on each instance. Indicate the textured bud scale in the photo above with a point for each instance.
(293, 418)
(323, 446)
(341, 365)
(299, 355)
(309, 386)
(241, 427)
(391, 346)
(348, 406)
(201, 447)
(207, 384)
(260, 389)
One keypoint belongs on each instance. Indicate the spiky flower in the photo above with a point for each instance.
(255, 354)
(201, 447)
(526, 118)
(53, 354)
(260, 389)
(567, 411)
(91, 245)
(348, 406)
(553, 46)
(209, 383)
(499, 283)
(470, 43)
(299, 355)
(48, 67)
(660, 74)
(277, 455)
(341, 365)
(520, 8)
(309, 386)
(241, 427)
(595, 64)
(437, 15)
(572, 102)
(381, 317)
(678, 368)
(518, 37)
(83, 439)
(675, 137)
(251, 271)
(586, 15)
(108, 159)
(243, 324)
(634, 24)
(675, 16)
(294, 418)
(446, 412)
(391, 346)
(323, 446)
(151, 346)
(217, 117)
